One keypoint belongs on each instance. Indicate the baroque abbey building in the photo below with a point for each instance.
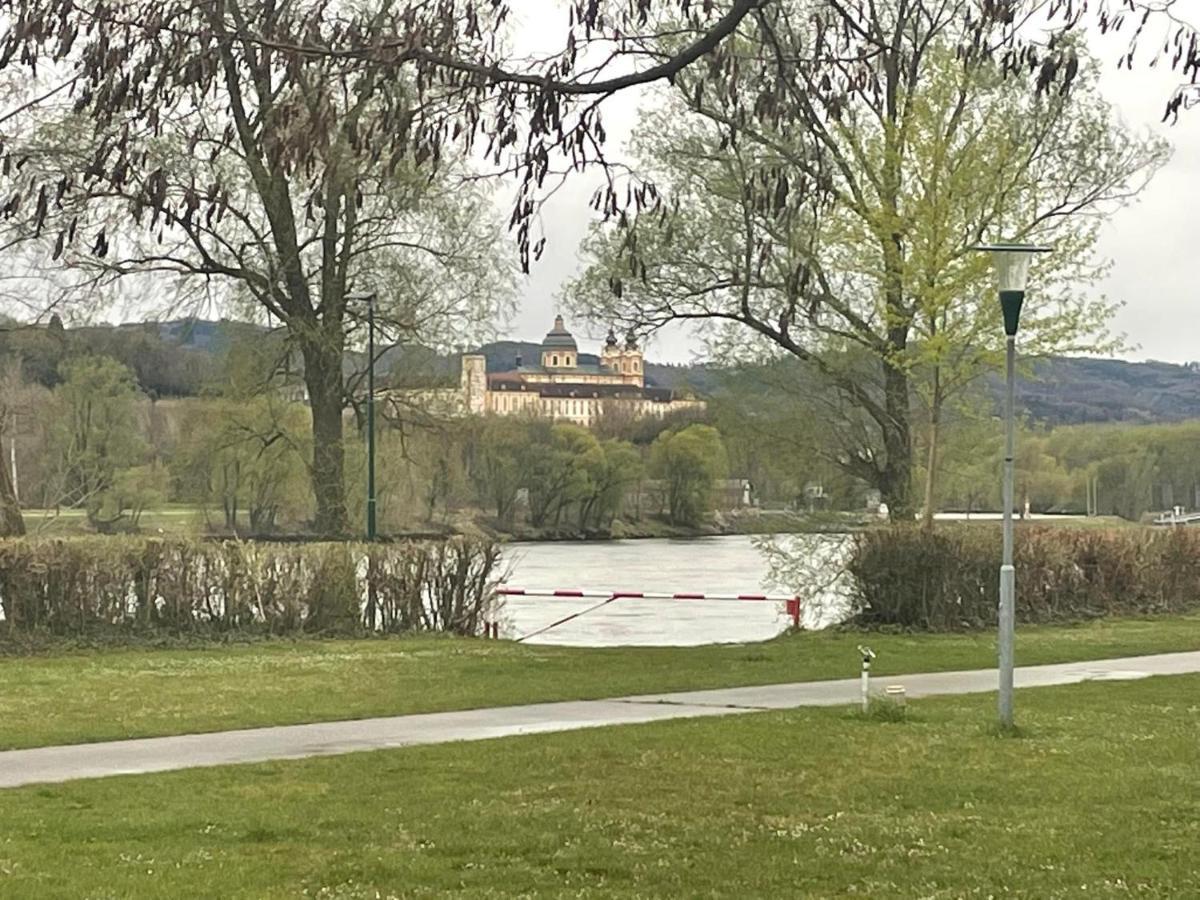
(559, 387)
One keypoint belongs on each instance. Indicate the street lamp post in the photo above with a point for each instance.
(1011, 262)
(370, 300)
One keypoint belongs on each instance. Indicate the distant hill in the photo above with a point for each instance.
(177, 357)
(1073, 391)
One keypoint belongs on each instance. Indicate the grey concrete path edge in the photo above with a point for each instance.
(66, 763)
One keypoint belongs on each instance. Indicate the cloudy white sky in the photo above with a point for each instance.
(1154, 245)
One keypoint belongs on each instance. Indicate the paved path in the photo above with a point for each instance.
(56, 764)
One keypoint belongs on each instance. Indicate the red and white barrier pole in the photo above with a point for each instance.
(792, 603)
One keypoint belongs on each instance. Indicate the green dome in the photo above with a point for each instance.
(559, 338)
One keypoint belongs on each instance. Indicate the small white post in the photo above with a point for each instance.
(867, 655)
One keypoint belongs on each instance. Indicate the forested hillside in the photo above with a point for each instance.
(177, 358)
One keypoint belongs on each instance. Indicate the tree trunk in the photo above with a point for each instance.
(895, 481)
(11, 523)
(323, 377)
(935, 422)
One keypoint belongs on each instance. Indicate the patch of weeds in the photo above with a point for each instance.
(883, 709)
(1011, 732)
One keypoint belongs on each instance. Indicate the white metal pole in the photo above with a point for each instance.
(1007, 571)
(867, 655)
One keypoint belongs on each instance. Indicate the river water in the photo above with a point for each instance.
(719, 565)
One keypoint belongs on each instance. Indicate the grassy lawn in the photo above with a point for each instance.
(1096, 799)
(102, 695)
(176, 518)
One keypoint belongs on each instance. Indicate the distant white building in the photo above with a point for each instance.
(560, 387)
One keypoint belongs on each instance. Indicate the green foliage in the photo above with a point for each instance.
(766, 416)
(500, 445)
(610, 475)
(168, 360)
(135, 490)
(85, 586)
(245, 455)
(689, 462)
(564, 470)
(946, 579)
(1128, 470)
(555, 469)
(876, 287)
(96, 433)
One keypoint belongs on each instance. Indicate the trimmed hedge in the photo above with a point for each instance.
(82, 586)
(949, 579)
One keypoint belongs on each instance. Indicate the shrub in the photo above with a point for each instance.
(949, 579)
(82, 586)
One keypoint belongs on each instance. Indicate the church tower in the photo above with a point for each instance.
(624, 361)
(632, 361)
(559, 350)
(610, 356)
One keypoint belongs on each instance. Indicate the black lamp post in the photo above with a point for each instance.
(370, 301)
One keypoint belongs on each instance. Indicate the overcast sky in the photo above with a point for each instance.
(1154, 245)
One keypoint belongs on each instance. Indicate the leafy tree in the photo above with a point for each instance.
(766, 415)
(495, 464)
(440, 80)
(40, 351)
(610, 475)
(843, 235)
(689, 462)
(97, 432)
(555, 469)
(271, 194)
(246, 455)
(135, 490)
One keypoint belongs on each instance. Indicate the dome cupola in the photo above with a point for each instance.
(558, 337)
(559, 350)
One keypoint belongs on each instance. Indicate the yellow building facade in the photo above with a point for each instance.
(559, 387)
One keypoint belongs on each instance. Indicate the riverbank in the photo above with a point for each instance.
(182, 519)
(729, 524)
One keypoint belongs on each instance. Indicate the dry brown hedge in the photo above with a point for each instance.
(948, 579)
(80, 586)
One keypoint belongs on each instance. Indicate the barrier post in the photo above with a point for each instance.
(793, 608)
(867, 655)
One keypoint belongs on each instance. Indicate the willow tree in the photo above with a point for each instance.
(256, 173)
(539, 115)
(840, 231)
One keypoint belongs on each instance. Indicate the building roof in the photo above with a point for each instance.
(582, 391)
(585, 369)
(558, 338)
